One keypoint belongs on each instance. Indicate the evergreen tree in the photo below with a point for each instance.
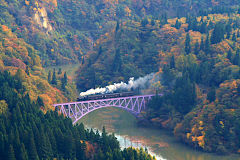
(54, 78)
(211, 96)
(11, 154)
(32, 154)
(117, 27)
(202, 44)
(152, 22)
(177, 24)
(196, 48)
(234, 37)
(40, 102)
(207, 45)
(27, 70)
(203, 27)
(23, 153)
(188, 44)
(83, 61)
(45, 150)
(172, 62)
(64, 80)
(164, 18)
(59, 71)
(49, 76)
(229, 55)
(236, 59)
(144, 22)
(117, 62)
(238, 34)
(218, 33)
(228, 35)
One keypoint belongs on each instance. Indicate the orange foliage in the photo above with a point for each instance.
(5, 28)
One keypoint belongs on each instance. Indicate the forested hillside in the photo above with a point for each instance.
(27, 133)
(197, 60)
(193, 46)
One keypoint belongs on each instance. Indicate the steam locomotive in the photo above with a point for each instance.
(106, 96)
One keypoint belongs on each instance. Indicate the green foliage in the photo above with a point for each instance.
(218, 33)
(188, 44)
(30, 134)
(54, 78)
(211, 96)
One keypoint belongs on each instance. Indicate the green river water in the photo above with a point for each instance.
(160, 143)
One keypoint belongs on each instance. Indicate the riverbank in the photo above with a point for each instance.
(158, 141)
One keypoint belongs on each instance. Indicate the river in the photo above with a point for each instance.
(160, 143)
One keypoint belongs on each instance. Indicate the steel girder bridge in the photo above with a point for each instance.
(77, 110)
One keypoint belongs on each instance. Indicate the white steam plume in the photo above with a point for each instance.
(141, 83)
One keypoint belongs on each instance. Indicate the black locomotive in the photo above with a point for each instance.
(106, 96)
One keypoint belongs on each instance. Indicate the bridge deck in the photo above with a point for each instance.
(76, 110)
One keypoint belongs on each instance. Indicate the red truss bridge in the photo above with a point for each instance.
(77, 110)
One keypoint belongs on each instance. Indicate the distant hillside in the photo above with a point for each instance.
(64, 31)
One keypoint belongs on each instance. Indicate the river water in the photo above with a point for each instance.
(160, 143)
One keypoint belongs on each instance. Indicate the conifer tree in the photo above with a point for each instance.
(54, 78)
(207, 45)
(217, 34)
(202, 44)
(60, 71)
(11, 154)
(236, 59)
(196, 48)
(27, 70)
(203, 28)
(238, 34)
(211, 96)
(49, 76)
(228, 35)
(23, 153)
(40, 101)
(229, 55)
(177, 24)
(64, 80)
(32, 155)
(234, 37)
(83, 61)
(117, 62)
(188, 44)
(152, 22)
(164, 18)
(172, 62)
(117, 27)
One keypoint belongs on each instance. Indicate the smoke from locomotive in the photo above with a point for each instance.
(140, 83)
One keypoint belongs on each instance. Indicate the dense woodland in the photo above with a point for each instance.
(191, 45)
(27, 133)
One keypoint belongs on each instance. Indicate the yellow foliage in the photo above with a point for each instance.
(3, 106)
(200, 122)
(222, 124)
(188, 135)
(193, 129)
(200, 128)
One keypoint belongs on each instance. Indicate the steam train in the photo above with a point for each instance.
(106, 96)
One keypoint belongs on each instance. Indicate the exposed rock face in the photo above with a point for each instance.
(41, 19)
